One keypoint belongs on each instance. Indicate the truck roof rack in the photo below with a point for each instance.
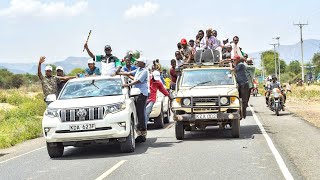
(223, 63)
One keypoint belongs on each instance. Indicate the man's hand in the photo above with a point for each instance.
(85, 45)
(42, 59)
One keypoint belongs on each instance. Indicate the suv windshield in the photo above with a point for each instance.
(207, 77)
(92, 88)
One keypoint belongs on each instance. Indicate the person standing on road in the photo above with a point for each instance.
(155, 85)
(242, 80)
(92, 70)
(141, 82)
(109, 63)
(49, 82)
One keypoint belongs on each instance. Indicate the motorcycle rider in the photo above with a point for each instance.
(276, 84)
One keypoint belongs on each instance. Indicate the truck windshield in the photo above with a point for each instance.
(92, 88)
(207, 77)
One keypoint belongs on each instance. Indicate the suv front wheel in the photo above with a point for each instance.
(55, 150)
(129, 145)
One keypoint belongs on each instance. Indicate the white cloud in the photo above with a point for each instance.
(37, 8)
(137, 11)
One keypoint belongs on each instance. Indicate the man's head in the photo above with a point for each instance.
(179, 46)
(178, 55)
(60, 71)
(201, 34)
(236, 39)
(48, 70)
(215, 33)
(173, 63)
(229, 48)
(157, 60)
(236, 59)
(225, 40)
(141, 62)
(274, 79)
(127, 60)
(245, 56)
(91, 64)
(191, 43)
(184, 43)
(107, 50)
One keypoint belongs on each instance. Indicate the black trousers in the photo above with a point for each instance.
(243, 94)
(140, 103)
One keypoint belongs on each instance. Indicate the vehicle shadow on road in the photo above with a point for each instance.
(108, 151)
(246, 132)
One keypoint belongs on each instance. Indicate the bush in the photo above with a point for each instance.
(16, 98)
(3, 98)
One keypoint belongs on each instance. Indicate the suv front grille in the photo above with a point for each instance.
(82, 114)
(205, 101)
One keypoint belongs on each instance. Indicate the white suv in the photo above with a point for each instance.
(90, 110)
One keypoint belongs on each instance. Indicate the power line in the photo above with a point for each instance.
(301, 41)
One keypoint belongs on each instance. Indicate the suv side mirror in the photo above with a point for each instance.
(134, 92)
(51, 98)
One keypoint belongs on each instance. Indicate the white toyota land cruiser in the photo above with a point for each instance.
(90, 110)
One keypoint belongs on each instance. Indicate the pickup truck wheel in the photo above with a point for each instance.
(159, 121)
(129, 145)
(235, 128)
(179, 131)
(55, 150)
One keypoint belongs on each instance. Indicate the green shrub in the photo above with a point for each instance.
(3, 98)
(16, 98)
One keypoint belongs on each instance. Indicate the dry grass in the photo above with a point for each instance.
(305, 102)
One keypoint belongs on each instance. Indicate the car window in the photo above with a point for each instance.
(92, 88)
(207, 77)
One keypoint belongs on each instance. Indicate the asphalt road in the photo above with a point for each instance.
(209, 154)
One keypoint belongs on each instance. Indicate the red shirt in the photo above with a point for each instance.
(154, 87)
(173, 75)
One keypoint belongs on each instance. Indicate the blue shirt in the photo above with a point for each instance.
(141, 74)
(127, 70)
(95, 71)
(241, 73)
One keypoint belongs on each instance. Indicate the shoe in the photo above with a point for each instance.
(141, 139)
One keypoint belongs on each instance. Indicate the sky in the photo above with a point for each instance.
(58, 29)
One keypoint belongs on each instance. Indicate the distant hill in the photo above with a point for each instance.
(287, 53)
(293, 52)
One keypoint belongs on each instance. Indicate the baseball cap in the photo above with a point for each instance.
(183, 41)
(90, 61)
(48, 68)
(59, 68)
(107, 47)
(236, 57)
(156, 75)
(142, 59)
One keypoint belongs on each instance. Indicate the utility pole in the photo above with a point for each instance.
(275, 59)
(277, 38)
(302, 65)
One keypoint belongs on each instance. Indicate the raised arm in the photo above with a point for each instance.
(66, 78)
(88, 51)
(42, 59)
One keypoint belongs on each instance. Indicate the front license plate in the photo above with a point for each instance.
(82, 127)
(206, 116)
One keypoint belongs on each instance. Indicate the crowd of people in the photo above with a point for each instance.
(149, 81)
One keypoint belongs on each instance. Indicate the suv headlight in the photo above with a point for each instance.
(52, 113)
(113, 108)
(186, 101)
(224, 101)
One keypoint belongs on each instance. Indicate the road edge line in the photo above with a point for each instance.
(113, 168)
(283, 167)
(22, 155)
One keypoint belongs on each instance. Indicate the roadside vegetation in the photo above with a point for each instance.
(20, 115)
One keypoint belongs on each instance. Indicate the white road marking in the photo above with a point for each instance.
(107, 173)
(22, 155)
(286, 173)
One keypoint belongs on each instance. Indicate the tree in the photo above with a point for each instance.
(294, 67)
(316, 62)
(75, 71)
(17, 80)
(268, 61)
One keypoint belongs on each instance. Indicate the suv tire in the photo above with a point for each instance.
(129, 145)
(179, 130)
(235, 124)
(55, 150)
(159, 121)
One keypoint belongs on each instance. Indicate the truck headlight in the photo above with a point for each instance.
(52, 113)
(224, 101)
(186, 101)
(113, 108)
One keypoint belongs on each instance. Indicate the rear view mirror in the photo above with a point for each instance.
(134, 92)
(51, 98)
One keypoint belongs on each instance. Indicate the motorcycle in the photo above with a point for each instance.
(275, 101)
(255, 90)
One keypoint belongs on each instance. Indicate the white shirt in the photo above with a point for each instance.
(235, 50)
(179, 62)
(108, 68)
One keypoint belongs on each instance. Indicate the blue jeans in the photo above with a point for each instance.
(148, 110)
